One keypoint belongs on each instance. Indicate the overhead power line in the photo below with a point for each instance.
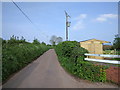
(22, 11)
(27, 16)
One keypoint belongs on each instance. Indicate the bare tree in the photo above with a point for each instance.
(59, 39)
(54, 40)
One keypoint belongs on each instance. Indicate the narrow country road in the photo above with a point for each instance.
(46, 72)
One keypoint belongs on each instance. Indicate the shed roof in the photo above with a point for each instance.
(95, 40)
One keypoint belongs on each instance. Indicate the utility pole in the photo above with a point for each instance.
(67, 25)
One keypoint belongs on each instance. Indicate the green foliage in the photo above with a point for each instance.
(36, 41)
(114, 52)
(43, 43)
(71, 57)
(67, 47)
(14, 40)
(16, 56)
(116, 43)
(78, 51)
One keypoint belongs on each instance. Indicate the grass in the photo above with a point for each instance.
(112, 52)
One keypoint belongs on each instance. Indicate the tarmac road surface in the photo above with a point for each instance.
(46, 72)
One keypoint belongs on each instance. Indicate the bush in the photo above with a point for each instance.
(71, 57)
(15, 40)
(36, 41)
(66, 48)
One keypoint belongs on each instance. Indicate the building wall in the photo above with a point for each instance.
(94, 47)
(84, 45)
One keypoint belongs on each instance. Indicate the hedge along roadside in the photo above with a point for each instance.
(71, 56)
(17, 56)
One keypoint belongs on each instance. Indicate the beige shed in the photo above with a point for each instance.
(94, 46)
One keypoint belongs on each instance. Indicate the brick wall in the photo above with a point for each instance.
(113, 74)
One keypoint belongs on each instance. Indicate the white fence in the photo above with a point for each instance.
(103, 61)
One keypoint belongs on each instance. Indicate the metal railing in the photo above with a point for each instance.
(101, 60)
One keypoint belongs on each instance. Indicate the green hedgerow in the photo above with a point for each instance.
(16, 56)
(71, 57)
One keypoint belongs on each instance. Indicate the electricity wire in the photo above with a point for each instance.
(26, 16)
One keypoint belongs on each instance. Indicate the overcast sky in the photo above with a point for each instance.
(89, 20)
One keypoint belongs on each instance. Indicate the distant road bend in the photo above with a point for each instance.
(46, 72)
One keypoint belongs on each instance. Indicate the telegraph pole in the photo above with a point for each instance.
(67, 25)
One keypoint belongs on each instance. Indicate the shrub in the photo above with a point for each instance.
(71, 57)
(36, 41)
(67, 47)
(15, 40)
